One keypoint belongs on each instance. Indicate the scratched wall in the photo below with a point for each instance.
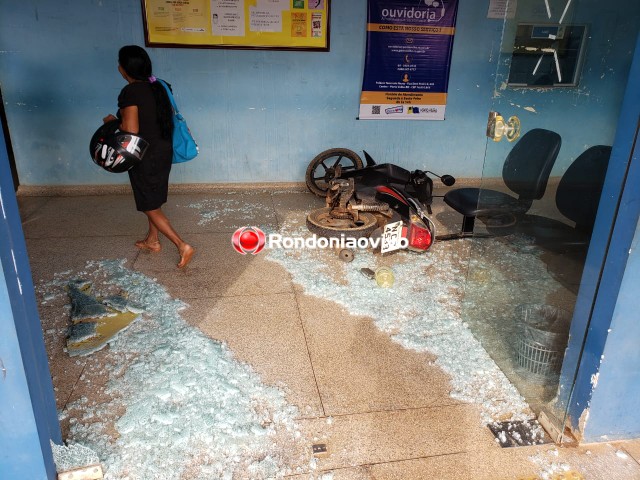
(262, 115)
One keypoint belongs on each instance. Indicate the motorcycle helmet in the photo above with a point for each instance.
(114, 150)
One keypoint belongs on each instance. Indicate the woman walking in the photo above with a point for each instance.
(145, 110)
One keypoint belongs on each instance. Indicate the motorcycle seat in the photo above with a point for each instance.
(385, 173)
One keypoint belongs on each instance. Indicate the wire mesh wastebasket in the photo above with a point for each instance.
(543, 331)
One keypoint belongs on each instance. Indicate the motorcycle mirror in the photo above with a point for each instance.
(448, 180)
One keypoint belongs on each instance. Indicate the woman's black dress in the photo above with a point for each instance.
(150, 178)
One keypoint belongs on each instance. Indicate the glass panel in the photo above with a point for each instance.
(561, 71)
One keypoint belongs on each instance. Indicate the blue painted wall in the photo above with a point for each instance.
(262, 115)
(258, 116)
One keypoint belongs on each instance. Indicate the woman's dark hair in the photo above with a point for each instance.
(136, 63)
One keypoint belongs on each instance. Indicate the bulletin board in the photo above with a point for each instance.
(249, 24)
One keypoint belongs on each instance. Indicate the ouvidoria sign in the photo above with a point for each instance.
(432, 14)
(409, 45)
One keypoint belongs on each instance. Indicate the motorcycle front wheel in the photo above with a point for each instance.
(327, 165)
(323, 224)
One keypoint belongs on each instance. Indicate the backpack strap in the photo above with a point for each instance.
(171, 99)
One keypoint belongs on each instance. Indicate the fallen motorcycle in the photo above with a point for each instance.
(362, 201)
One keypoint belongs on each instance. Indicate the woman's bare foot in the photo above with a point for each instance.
(185, 255)
(154, 247)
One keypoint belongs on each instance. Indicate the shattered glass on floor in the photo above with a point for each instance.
(422, 311)
(96, 321)
(73, 456)
(216, 209)
(165, 401)
(599, 461)
(176, 404)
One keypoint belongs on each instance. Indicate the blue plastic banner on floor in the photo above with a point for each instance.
(409, 44)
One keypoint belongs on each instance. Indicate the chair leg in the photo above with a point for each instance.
(467, 230)
(467, 225)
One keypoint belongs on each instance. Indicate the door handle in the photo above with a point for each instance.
(497, 127)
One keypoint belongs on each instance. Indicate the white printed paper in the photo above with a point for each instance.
(498, 8)
(227, 18)
(265, 20)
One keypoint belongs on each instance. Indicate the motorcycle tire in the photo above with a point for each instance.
(322, 224)
(322, 168)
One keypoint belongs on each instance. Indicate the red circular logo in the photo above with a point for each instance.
(248, 240)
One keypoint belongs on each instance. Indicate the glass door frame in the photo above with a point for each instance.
(604, 265)
(606, 259)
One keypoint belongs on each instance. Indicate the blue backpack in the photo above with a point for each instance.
(185, 147)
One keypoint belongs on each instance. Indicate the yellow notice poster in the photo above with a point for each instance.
(270, 24)
(299, 25)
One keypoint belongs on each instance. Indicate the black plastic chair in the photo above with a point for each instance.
(525, 172)
(577, 198)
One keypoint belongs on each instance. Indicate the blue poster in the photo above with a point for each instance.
(406, 73)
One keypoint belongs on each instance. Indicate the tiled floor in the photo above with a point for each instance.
(384, 411)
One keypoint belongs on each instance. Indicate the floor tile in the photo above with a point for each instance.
(494, 464)
(600, 461)
(220, 212)
(355, 473)
(632, 447)
(264, 331)
(591, 462)
(293, 208)
(48, 256)
(31, 207)
(65, 374)
(65, 370)
(384, 411)
(87, 216)
(360, 369)
(370, 438)
(89, 399)
(216, 270)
